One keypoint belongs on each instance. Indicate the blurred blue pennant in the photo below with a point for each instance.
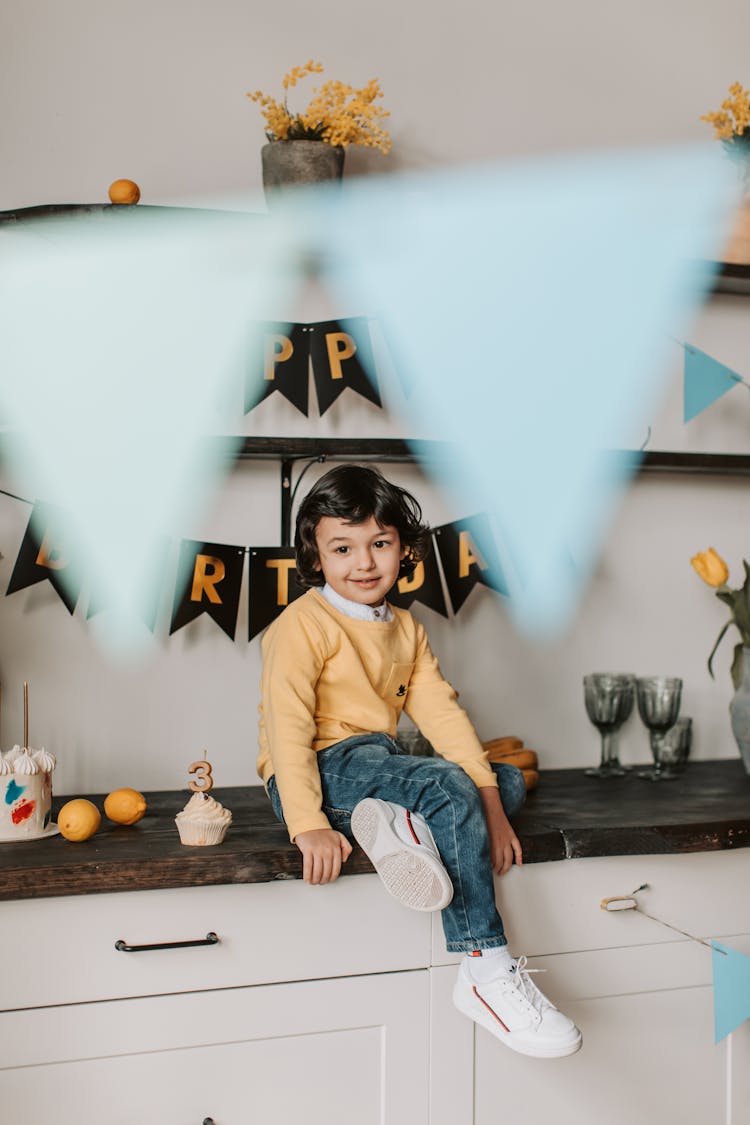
(704, 381)
(731, 975)
(531, 306)
(123, 337)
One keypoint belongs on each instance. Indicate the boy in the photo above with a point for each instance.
(339, 666)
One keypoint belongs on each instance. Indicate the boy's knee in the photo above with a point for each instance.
(458, 784)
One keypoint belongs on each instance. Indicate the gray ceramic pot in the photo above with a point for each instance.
(739, 711)
(293, 164)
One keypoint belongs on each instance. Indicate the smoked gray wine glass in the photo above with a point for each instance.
(609, 699)
(659, 700)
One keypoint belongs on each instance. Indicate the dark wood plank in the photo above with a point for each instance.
(569, 816)
(374, 449)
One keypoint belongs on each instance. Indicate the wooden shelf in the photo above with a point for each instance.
(370, 449)
(120, 210)
(701, 464)
(729, 278)
(418, 450)
(733, 279)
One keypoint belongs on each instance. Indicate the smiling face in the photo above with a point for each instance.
(360, 561)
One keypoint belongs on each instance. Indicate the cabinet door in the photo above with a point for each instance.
(325, 1052)
(648, 1052)
(738, 1050)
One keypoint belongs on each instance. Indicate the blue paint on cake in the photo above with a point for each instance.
(13, 791)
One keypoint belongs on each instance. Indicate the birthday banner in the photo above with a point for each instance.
(209, 575)
(340, 352)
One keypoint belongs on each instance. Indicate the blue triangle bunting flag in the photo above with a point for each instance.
(493, 296)
(731, 972)
(705, 381)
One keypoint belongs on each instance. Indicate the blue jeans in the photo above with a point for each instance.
(374, 765)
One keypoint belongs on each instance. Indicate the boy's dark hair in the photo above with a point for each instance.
(355, 493)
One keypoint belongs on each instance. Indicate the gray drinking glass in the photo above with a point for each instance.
(674, 747)
(659, 700)
(609, 698)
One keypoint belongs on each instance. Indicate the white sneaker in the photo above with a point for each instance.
(512, 1008)
(402, 850)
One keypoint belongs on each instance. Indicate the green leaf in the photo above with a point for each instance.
(726, 596)
(737, 666)
(713, 650)
(742, 607)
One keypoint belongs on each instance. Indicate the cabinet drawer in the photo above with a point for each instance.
(323, 1052)
(63, 949)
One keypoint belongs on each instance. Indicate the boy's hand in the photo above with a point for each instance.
(323, 852)
(505, 847)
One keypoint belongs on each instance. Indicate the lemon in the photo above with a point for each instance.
(124, 191)
(79, 819)
(125, 806)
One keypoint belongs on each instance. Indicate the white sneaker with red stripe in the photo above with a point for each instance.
(402, 850)
(515, 1011)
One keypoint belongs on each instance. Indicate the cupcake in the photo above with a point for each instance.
(203, 821)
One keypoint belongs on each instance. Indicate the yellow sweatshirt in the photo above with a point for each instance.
(327, 676)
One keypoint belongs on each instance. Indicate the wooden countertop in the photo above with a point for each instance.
(569, 816)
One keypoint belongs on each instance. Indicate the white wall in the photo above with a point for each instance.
(155, 92)
(92, 90)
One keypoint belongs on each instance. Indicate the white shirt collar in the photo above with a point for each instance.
(354, 609)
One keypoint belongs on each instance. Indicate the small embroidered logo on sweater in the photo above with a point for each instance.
(401, 689)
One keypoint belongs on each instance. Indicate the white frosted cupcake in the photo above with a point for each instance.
(203, 821)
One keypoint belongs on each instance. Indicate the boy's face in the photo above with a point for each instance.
(359, 561)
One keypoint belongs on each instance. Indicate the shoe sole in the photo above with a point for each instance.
(409, 873)
(478, 1011)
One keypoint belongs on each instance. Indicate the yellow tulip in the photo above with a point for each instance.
(710, 567)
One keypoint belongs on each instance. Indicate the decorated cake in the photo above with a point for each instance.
(25, 793)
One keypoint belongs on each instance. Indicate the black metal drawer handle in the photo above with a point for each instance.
(210, 939)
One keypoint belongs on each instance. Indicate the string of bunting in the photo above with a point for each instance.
(209, 575)
(731, 969)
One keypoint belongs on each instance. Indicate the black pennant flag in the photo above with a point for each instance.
(341, 352)
(44, 553)
(209, 580)
(273, 585)
(282, 363)
(423, 586)
(468, 555)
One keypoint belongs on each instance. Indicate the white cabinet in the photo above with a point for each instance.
(330, 1052)
(333, 1004)
(648, 1057)
(641, 994)
(312, 1006)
